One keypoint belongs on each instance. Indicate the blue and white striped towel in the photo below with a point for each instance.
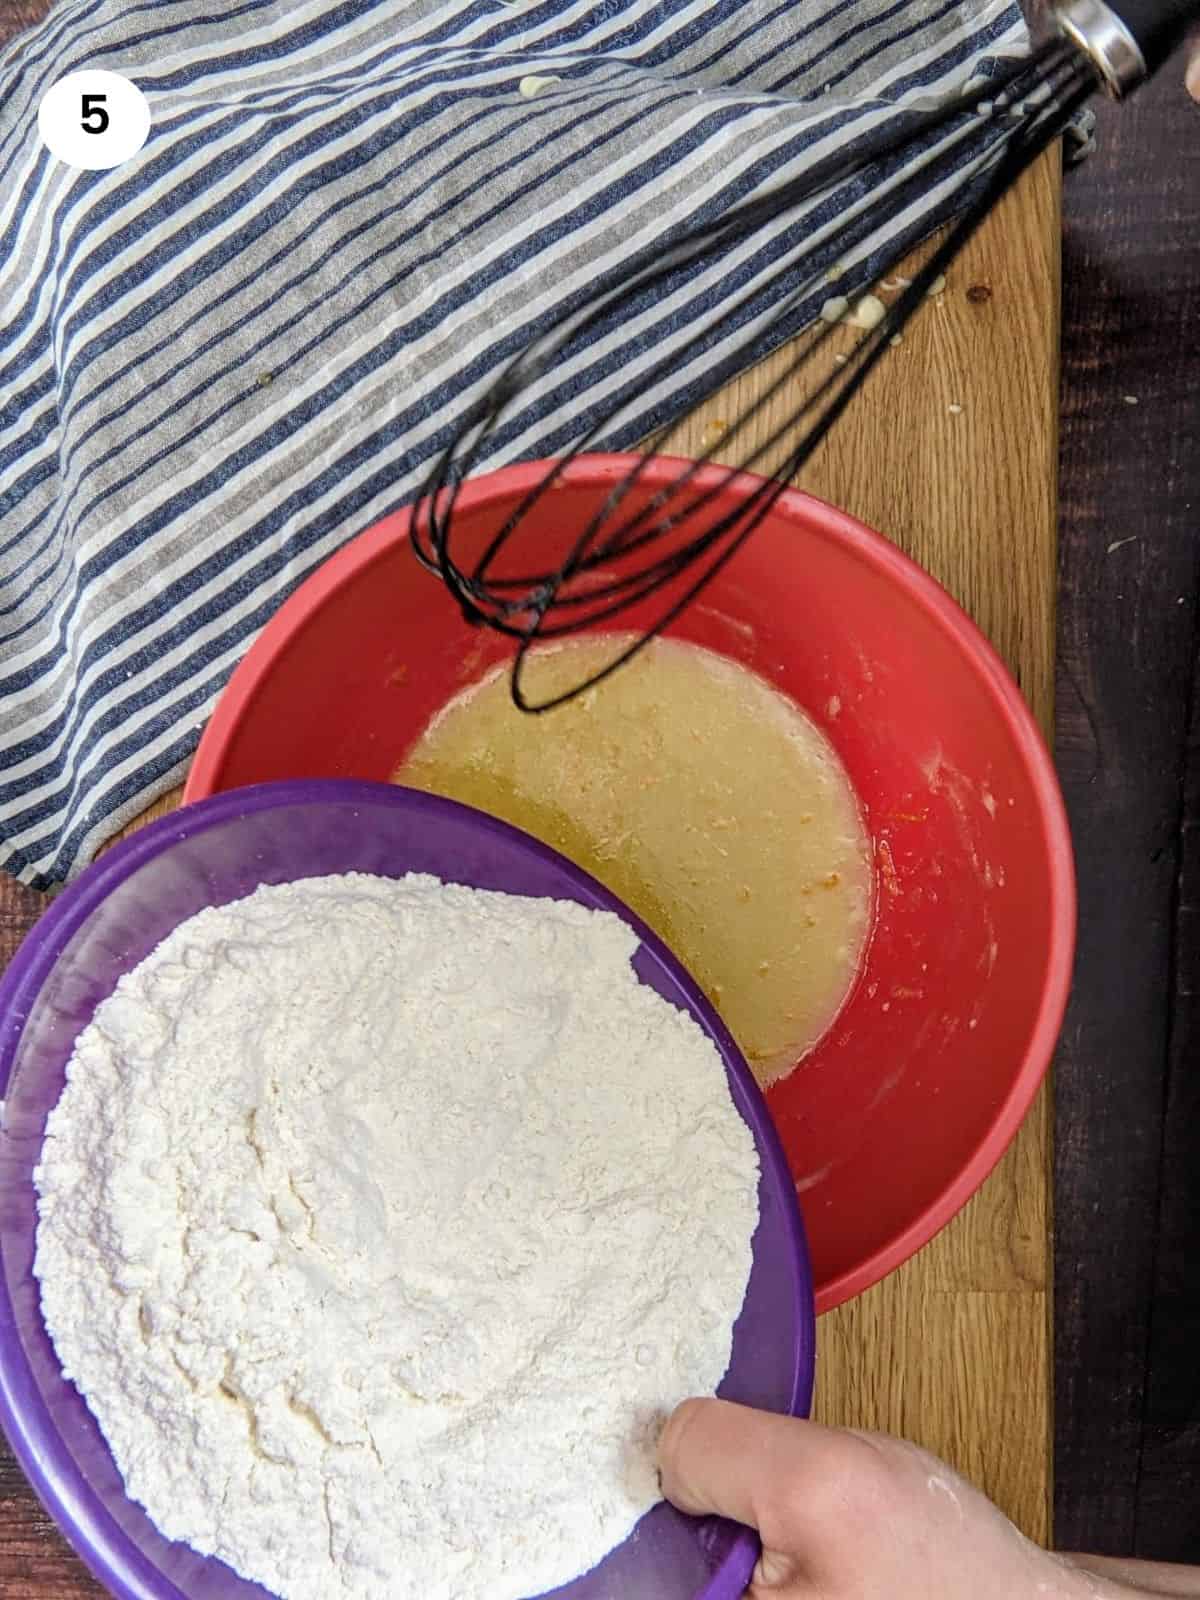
(225, 358)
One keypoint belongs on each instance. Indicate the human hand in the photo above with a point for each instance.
(1193, 67)
(845, 1515)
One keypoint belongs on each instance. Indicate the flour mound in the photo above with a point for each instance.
(381, 1223)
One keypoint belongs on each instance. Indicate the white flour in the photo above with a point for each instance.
(381, 1224)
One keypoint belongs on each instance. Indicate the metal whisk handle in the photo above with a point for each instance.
(1126, 40)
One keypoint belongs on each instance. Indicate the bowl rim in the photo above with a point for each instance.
(77, 1510)
(825, 521)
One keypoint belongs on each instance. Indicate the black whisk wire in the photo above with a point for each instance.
(651, 269)
(626, 538)
(1016, 117)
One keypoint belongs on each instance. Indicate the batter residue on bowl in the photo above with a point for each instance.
(701, 796)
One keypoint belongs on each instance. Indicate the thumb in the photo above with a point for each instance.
(754, 1467)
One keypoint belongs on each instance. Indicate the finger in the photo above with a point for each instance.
(1193, 67)
(731, 1461)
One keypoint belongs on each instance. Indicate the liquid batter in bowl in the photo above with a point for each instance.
(702, 797)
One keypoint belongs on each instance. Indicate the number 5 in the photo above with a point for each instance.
(93, 106)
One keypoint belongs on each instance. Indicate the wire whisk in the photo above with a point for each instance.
(651, 553)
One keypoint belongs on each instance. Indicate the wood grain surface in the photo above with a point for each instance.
(15, 15)
(953, 1350)
(1128, 1139)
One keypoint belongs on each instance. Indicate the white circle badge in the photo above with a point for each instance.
(94, 119)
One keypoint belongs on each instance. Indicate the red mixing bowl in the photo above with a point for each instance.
(901, 1111)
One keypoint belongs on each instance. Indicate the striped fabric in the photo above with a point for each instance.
(224, 359)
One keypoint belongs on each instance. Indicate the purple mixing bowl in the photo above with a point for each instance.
(108, 921)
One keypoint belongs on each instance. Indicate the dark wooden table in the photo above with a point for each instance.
(1127, 1180)
(1127, 1240)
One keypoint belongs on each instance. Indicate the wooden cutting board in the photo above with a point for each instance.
(952, 451)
